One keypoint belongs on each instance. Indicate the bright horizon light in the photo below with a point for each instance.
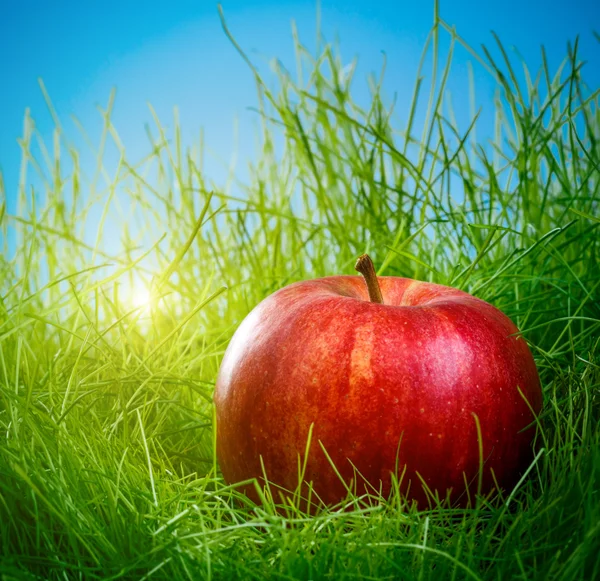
(141, 298)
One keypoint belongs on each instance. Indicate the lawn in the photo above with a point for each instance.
(120, 287)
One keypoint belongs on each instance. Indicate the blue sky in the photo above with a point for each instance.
(175, 53)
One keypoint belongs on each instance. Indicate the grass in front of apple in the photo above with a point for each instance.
(107, 466)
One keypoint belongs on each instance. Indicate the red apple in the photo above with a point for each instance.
(431, 384)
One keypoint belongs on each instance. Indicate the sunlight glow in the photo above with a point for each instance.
(141, 298)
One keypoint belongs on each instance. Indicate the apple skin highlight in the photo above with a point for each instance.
(388, 388)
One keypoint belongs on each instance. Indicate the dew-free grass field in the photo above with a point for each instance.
(107, 465)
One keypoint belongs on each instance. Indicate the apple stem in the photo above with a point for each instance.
(364, 265)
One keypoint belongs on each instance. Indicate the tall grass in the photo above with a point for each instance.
(107, 465)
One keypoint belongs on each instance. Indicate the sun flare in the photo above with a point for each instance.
(141, 298)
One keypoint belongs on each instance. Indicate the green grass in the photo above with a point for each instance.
(107, 469)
